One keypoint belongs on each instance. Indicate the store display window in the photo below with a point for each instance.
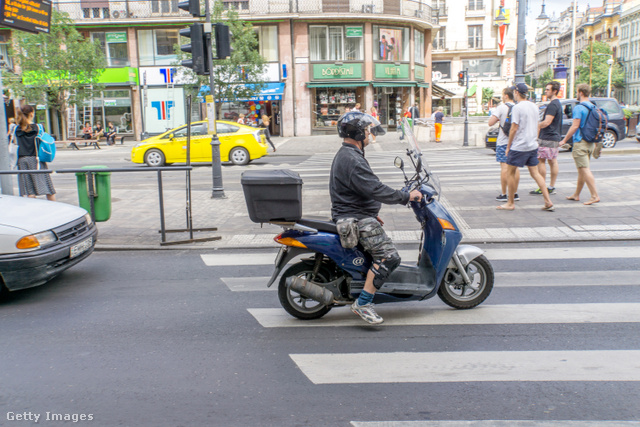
(330, 104)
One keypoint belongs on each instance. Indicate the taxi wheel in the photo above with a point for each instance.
(154, 158)
(239, 156)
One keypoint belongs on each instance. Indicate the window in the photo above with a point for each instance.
(114, 46)
(476, 5)
(480, 68)
(475, 36)
(236, 4)
(392, 44)
(439, 41)
(335, 43)
(164, 6)
(226, 128)
(267, 36)
(439, 7)
(155, 47)
(418, 44)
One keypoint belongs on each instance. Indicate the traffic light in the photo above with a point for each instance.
(191, 6)
(223, 41)
(462, 77)
(197, 49)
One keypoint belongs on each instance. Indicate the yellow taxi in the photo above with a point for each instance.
(239, 144)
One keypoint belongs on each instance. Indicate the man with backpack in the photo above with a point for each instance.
(549, 137)
(587, 129)
(502, 115)
(522, 147)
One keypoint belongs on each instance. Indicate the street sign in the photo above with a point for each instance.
(33, 16)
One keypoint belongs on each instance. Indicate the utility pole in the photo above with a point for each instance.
(572, 73)
(217, 191)
(521, 43)
(466, 108)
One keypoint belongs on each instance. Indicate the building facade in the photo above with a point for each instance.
(630, 50)
(471, 38)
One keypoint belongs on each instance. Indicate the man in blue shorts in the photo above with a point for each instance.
(500, 116)
(522, 148)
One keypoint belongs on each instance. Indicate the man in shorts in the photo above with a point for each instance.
(522, 148)
(499, 116)
(582, 150)
(550, 137)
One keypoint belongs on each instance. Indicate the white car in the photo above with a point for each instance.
(40, 239)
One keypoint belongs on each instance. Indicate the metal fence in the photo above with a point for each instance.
(110, 11)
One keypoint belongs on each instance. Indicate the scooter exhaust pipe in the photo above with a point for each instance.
(311, 290)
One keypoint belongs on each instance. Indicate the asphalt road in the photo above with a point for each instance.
(169, 338)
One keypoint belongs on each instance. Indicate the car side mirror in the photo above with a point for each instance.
(171, 136)
(568, 111)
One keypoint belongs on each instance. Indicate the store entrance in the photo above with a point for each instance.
(389, 107)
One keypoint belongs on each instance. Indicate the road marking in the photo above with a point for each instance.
(495, 423)
(417, 314)
(466, 366)
(562, 279)
(409, 256)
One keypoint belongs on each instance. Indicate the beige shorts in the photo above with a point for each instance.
(581, 152)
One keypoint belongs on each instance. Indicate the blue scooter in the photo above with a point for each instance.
(333, 276)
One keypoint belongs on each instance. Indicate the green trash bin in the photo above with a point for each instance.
(101, 189)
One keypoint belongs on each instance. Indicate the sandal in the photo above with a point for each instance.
(549, 208)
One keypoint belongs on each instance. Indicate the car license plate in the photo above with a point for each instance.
(81, 247)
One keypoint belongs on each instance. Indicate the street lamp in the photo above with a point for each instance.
(610, 62)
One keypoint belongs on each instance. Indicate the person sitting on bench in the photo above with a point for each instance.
(111, 134)
(87, 132)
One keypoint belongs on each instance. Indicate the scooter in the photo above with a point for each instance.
(334, 276)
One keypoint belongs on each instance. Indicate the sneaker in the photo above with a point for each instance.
(536, 191)
(502, 198)
(552, 190)
(516, 198)
(367, 313)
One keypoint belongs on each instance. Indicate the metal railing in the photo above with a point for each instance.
(127, 11)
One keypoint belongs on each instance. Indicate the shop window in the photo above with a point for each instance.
(335, 43)
(267, 36)
(392, 44)
(155, 47)
(475, 36)
(419, 46)
(5, 59)
(114, 46)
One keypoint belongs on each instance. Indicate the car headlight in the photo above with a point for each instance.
(35, 240)
(87, 217)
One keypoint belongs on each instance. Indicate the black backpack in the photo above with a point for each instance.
(506, 128)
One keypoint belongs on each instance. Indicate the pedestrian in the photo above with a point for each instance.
(357, 195)
(374, 114)
(240, 119)
(111, 134)
(415, 111)
(500, 115)
(31, 184)
(400, 125)
(438, 116)
(356, 107)
(267, 134)
(13, 147)
(522, 147)
(582, 150)
(550, 137)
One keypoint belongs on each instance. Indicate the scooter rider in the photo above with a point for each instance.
(356, 197)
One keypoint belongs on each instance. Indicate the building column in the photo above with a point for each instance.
(136, 110)
(302, 101)
(286, 58)
(426, 95)
(369, 98)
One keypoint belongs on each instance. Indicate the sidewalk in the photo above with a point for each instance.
(135, 218)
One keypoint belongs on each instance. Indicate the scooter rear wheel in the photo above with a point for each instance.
(456, 293)
(294, 303)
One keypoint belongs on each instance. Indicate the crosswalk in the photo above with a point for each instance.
(537, 290)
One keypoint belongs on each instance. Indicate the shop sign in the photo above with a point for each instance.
(120, 37)
(483, 67)
(110, 103)
(419, 72)
(337, 72)
(33, 16)
(389, 71)
(41, 107)
(353, 31)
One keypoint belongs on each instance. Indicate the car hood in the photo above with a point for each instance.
(34, 215)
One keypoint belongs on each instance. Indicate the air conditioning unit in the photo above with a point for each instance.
(419, 13)
(121, 14)
(387, 90)
(368, 8)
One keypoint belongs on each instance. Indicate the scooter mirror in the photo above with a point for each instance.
(398, 163)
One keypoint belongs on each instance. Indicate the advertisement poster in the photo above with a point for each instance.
(390, 45)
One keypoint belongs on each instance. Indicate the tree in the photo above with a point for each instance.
(545, 78)
(242, 75)
(60, 69)
(599, 69)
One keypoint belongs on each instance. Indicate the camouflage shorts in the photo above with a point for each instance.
(374, 240)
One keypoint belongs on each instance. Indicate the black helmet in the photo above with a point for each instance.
(353, 124)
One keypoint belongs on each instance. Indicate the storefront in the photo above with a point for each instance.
(392, 92)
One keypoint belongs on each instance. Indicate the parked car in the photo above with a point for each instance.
(616, 129)
(638, 132)
(239, 144)
(40, 239)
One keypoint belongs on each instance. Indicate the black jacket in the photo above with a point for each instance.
(356, 192)
(27, 141)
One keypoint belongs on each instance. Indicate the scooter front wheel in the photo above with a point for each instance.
(456, 293)
(296, 304)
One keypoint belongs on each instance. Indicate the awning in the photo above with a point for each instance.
(337, 84)
(440, 91)
(425, 85)
(269, 92)
(394, 84)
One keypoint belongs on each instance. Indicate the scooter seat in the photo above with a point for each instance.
(319, 224)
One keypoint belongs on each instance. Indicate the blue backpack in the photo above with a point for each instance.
(595, 125)
(46, 146)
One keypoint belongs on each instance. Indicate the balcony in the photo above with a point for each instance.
(141, 11)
